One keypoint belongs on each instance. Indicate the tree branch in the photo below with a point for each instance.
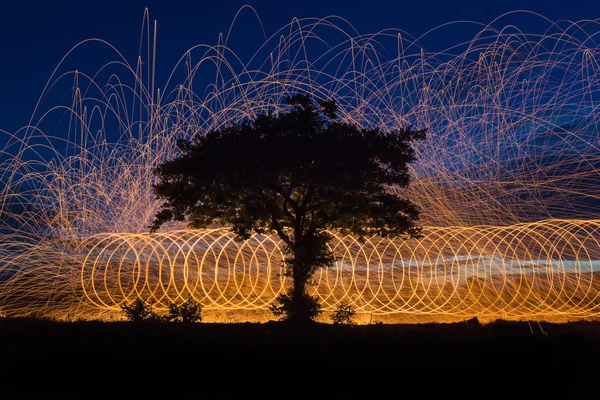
(280, 232)
(288, 199)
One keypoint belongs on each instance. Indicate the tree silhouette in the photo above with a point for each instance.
(343, 314)
(139, 311)
(297, 174)
(187, 312)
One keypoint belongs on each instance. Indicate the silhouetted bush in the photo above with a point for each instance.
(343, 315)
(187, 312)
(289, 309)
(139, 311)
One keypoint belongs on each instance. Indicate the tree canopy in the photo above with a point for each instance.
(301, 170)
(297, 174)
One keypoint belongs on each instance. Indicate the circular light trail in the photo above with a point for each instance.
(531, 270)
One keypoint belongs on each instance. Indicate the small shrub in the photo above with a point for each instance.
(288, 310)
(139, 311)
(343, 315)
(189, 311)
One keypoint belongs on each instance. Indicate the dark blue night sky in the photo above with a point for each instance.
(34, 35)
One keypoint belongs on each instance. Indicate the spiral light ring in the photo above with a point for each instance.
(535, 269)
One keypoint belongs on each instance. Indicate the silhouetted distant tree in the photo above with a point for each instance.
(296, 174)
(139, 311)
(343, 314)
(187, 312)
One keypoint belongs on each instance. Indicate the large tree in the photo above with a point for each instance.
(297, 174)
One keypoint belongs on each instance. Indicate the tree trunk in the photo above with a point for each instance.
(300, 311)
(304, 254)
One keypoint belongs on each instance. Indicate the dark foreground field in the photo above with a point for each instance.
(504, 352)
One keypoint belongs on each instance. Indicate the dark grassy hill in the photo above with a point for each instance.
(465, 343)
(87, 357)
